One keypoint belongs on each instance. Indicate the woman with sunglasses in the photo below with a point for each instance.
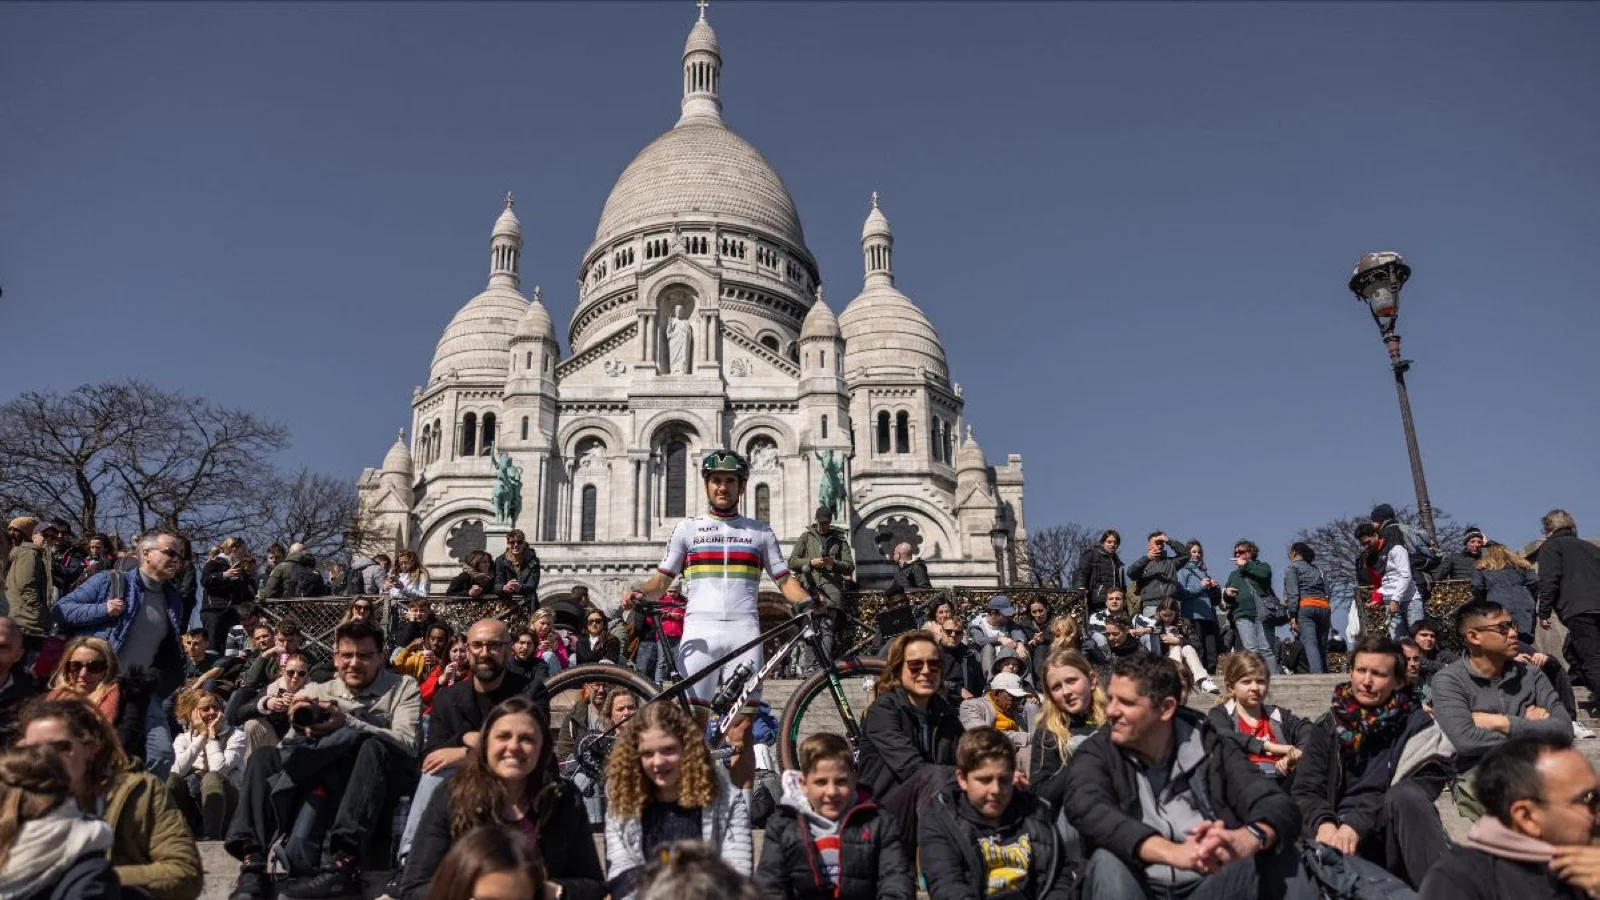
(909, 734)
(357, 610)
(509, 781)
(89, 671)
(152, 851)
(597, 644)
(263, 714)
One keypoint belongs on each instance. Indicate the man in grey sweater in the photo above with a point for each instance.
(1489, 696)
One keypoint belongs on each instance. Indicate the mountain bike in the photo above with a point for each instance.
(829, 700)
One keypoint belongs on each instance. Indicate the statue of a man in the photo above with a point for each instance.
(830, 491)
(507, 490)
(678, 340)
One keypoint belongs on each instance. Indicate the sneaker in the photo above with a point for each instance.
(253, 884)
(341, 879)
(1580, 733)
(1209, 686)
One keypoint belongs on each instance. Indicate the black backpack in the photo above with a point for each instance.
(304, 581)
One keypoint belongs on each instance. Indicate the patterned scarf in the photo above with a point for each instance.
(1357, 725)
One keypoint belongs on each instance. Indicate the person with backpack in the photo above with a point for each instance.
(1255, 607)
(296, 576)
(824, 561)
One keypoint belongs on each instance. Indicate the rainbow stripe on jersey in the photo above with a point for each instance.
(721, 559)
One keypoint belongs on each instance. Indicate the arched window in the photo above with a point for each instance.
(824, 427)
(902, 433)
(676, 454)
(823, 358)
(763, 503)
(469, 434)
(935, 446)
(488, 435)
(883, 432)
(591, 501)
(422, 444)
(438, 441)
(524, 427)
(770, 342)
(949, 444)
(528, 363)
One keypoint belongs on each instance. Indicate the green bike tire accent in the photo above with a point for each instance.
(819, 688)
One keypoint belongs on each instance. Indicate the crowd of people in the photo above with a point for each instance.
(1009, 753)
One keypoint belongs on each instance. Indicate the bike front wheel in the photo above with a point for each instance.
(572, 692)
(815, 708)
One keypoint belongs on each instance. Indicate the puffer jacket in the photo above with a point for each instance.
(1155, 580)
(725, 825)
(296, 576)
(28, 588)
(948, 835)
(890, 753)
(526, 575)
(84, 612)
(151, 846)
(1098, 572)
(872, 860)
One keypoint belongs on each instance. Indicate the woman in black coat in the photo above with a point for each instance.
(518, 790)
(909, 734)
(597, 643)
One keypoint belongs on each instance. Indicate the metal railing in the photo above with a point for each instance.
(318, 617)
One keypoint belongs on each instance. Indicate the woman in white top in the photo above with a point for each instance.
(409, 579)
(209, 768)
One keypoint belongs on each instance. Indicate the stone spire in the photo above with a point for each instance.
(877, 246)
(702, 74)
(506, 248)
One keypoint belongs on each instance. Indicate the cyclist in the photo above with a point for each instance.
(721, 555)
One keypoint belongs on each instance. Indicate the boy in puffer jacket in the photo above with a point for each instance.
(827, 839)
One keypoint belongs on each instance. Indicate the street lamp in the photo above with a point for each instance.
(1002, 540)
(1377, 281)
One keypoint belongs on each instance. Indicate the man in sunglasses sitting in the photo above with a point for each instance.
(1489, 696)
(1543, 803)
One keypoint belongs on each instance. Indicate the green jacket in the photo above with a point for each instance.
(28, 588)
(1248, 579)
(828, 582)
(151, 847)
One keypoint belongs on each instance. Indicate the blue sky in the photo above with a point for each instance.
(1132, 224)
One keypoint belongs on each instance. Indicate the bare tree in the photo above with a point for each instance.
(317, 510)
(1049, 555)
(1337, 549)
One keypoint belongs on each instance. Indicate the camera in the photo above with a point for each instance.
(309, 716)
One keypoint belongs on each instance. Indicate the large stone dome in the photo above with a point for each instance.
(701, 168)
(885, 333)
(476, 342)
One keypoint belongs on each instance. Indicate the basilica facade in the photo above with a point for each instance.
(700, 323)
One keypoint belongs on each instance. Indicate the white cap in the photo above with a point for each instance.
(1010, 683)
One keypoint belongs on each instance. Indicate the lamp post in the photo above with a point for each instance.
(1377, 281)
(1002, 540)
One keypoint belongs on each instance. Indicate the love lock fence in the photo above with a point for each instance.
(319, 617)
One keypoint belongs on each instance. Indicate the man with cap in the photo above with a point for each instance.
(1004, 708)
(1461, 566)
(28, 584)
(67, 559)
(824, 561)
(994, 635)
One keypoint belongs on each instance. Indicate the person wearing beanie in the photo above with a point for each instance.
(1460, 566)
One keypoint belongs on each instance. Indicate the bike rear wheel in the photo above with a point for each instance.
(571, 690)
(813, 708)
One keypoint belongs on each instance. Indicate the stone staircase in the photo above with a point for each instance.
(1307, 695)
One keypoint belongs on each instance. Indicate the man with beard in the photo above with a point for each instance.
(459, 711)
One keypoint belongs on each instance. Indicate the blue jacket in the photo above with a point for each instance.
(1198, 602)
(83, 612)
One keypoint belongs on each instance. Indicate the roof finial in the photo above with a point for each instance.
(969, 434)
(510, 200)
(819, 293)
(702, 4)
(538, 293)
(874, 199)
(401, 439)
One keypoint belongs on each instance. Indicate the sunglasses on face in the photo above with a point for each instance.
(296, 673)
(952, 632)
(1500, 628)
(597, 621)
(168, 553)
(918, 666)
(93, 667)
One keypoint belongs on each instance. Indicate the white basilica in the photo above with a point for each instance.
(700, 324)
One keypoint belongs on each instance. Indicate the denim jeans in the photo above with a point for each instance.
(158, 753)
(1401, 623)
(1315, 622)
(1255, 637)
(1276, 873)
(426, 785)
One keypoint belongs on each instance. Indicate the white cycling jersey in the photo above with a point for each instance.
(721, 559)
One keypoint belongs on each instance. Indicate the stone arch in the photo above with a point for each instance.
(651, 431)
(772, 427)
(574, 432)
(932, 525)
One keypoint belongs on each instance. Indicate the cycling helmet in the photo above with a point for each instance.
(724, 461)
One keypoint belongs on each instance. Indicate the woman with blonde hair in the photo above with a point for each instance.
(1270, 736)
(550, 645)
(1074, 708)
(359, 609)
(89, 671)
(1509, 580)
(662, 786)
(49, 849)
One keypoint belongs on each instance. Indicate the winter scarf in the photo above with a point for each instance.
(1494, 838)
(1357, 725)
(46, 847)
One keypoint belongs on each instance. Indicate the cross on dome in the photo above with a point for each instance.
(510, 200)
(702, 4)
(874, 199)
(538, 293)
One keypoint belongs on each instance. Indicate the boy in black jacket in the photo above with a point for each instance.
(827, 841)
(982, 838)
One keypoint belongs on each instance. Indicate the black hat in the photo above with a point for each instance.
(1473, 531)
(1383, 512)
